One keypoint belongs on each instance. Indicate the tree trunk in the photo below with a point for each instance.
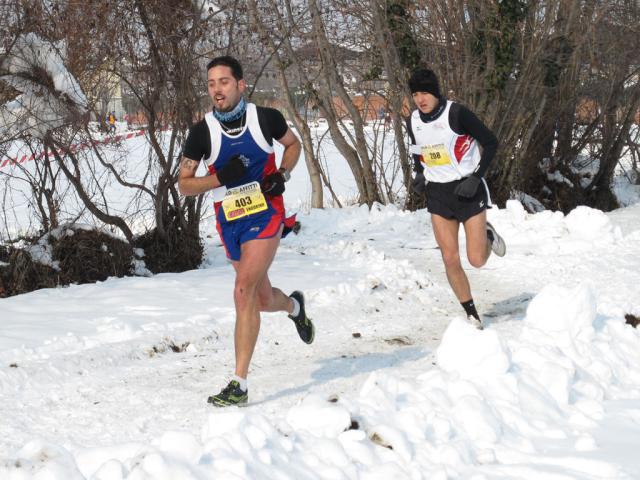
(313, 166)
(330, 72)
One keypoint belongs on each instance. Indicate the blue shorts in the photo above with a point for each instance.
(234, 234)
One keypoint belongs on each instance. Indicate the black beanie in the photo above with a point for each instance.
(424, 80)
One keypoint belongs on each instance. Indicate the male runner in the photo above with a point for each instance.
(445, 137)
(236, 142)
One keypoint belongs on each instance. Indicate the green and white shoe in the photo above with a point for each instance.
(304, 325)
(230, 395)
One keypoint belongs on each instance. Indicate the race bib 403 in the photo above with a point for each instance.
(435, 155)
(243, 201)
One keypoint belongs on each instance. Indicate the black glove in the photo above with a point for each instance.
(419, 184)
(232, 171)
(273, 184)
(468, 187)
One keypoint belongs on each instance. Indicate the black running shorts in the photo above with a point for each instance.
(442, 201)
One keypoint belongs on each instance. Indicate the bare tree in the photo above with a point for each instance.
(283, 52)
(553, 79)
(527, 69)
(158, 57)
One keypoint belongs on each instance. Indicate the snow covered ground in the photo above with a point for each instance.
(110, 380)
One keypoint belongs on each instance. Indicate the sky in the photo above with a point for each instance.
(110, 380)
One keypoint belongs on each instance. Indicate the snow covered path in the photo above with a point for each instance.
(108, 371)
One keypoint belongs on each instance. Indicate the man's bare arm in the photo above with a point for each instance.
(189, 184)
(292, 148)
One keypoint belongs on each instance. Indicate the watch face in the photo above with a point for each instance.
(285, 174)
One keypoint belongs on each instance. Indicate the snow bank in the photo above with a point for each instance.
(488, 407)
(489, 398)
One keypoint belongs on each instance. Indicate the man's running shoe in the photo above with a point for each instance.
(497, 243)
(475, 322)
(304, 325)
(230, 395)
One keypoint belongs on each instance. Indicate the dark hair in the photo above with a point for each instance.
(227, 61)
(424, 80)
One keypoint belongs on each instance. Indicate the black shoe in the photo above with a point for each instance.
(230, 395)
(497, 243)
(304, 325)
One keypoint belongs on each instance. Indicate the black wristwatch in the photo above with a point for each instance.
(285, 173)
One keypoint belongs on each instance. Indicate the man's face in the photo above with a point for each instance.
(224, 89)
(425, 102)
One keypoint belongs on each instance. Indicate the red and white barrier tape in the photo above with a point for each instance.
(72, 148)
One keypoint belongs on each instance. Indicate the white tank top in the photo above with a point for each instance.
(446, 156)
(220, 137)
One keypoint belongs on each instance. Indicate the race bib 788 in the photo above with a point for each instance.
(435, 155)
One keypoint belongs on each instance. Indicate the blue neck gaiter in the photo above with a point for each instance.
(232, 115)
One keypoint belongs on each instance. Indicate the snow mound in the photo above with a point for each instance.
(471, 352)
(557, 309)
(587, 223)
(489, 397)
(319, 417)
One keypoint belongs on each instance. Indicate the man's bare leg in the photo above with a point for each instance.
(251, 271)
(478, 246)
(446, 233)
(272, 299)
